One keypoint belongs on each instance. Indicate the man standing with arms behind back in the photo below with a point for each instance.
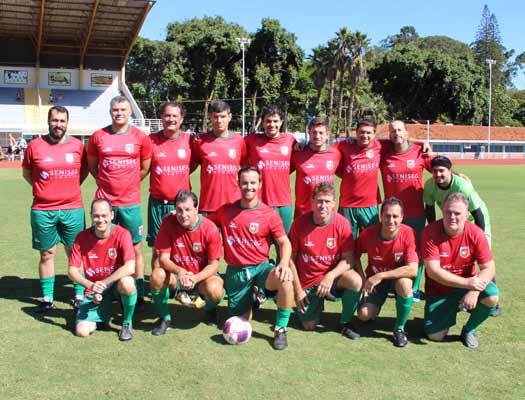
(119, 157)
(55, 166)
(170, 170)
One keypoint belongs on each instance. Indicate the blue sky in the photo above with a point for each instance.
(315, 22)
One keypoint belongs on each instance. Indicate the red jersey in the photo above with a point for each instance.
(247, 232)
(402, 175)
(311, 168)
(272, 156)
(457, 255)
(359, 172)
(189, 249)
(319, 248)
(119, 158)
(383, 254)
(55, 172)
(170, 165)
(219, 159)
(99, 258)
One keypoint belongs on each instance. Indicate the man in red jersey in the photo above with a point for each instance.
(271, 153)
(402, 174)
(359, 170)
(190, 249)
(55, 167)
(219, 154)
(451, 248)
(119, 157)
(392, 264)
(322, 249)
(103, 261)
(170, 169)
(248, 228)
(314, 164)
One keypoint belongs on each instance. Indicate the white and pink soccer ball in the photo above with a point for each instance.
(237, 330)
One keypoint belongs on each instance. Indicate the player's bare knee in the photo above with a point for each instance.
(491, 301)
(84, 329)
(48, 255)
(350, 280)
(310, 325)
(438, 336)
(126, 285)
(367, 312)
(157, 278)
(403, 287)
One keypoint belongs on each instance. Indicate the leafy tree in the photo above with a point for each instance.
(406, 35)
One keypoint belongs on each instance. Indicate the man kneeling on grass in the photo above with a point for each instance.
(103, 261)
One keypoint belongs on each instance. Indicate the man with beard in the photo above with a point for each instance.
(55, 166)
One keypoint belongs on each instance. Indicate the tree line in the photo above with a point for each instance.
(406, 76)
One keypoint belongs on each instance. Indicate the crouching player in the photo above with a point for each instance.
(248, 227)
(392, 265)
(451, 247)
(322, 249)
(190, 249)
(103, 261)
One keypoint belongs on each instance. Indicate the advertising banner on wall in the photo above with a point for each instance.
(59, 78)
(15, 77)
(101, 79)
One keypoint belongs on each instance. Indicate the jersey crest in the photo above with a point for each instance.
(197, 247)
(70, 157)
(411, 163)
(181, 153)
(130, 147)
(112, 253)
(398, 256)
(284, 150)
(254, 227)
(370, 153)
(330, 164)
(232, 153)
(330, 243)
(464, 251)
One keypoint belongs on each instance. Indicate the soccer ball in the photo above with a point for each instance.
(237, 330)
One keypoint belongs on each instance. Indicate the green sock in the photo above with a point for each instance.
(210, 305)
(350, 302)
(48, 287)
(161, 299)
(283, 316)
(418, 277)
(403, 307)
(139, 283)
(128, 305)
(477, 316)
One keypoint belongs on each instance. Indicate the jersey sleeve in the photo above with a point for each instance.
(196, 150)
(294, 239)
(216, 217)
(75, 258)
(126, 246)
(276, 224)
(92, 150)
(145, 148)
(347, 239)
(429, 249)
(213, 245)
(410, 247)
(28, 157)
(162, 242)
(244, 154)
(427, 160)
(483, 252)
(360, 244)
(427, 192)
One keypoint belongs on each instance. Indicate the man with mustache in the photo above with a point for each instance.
(55, 166)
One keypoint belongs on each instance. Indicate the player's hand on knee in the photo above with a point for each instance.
(301, 300)
(98, 287)
(476, 283)
(324, 286)
(470, 300)
(284, 274)
(370, 284)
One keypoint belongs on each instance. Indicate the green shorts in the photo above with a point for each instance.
(360, 217)
(239, 282)
(417, 224)
(380, 293)
(130, 217)
(55, 226)
(157, 209)
(315, 307)
(441, 311)
(286, 214)
(89, 311)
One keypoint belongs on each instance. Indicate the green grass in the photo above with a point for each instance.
(42, 359)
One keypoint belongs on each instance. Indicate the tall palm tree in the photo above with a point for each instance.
(344, 41)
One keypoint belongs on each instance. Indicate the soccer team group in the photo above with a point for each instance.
(244, 207)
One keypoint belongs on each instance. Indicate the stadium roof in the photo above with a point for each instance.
(97, 34)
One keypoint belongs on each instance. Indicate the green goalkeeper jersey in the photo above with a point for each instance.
(434, 194)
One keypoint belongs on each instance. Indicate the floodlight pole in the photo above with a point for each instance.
(490, 62)
(243, 42)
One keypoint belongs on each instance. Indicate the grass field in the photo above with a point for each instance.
(42, 359)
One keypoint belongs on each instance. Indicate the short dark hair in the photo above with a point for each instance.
(392, 201)
(101, 200)
(172, 104)
(324, 188)
(184, 195)
(271, 109)
(248, 168)
(366, 122)
(319, 121)
(219, 106)
(58, 109)
(441, 161)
